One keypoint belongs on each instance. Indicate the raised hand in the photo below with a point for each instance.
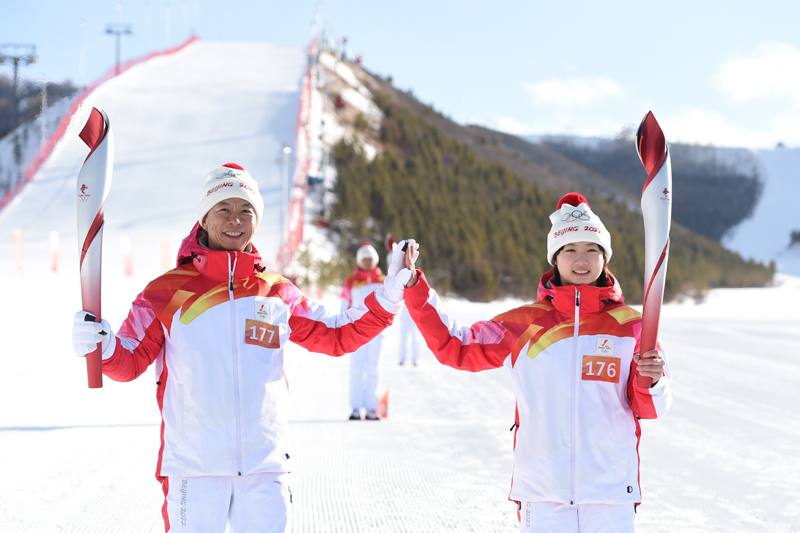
(401, 273)
(411, 253)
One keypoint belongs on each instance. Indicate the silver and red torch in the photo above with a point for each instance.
(657, 213)
(94, 182)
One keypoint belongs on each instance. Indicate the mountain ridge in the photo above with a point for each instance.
(419, 149)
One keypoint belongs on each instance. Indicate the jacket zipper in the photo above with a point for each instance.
(235, 354)
(573, 414)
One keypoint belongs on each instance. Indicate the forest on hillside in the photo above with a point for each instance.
(483, 229)
(714, 189)
(30, 99)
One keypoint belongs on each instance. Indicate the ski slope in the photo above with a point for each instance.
(174, 118)
(725, 459)
(765, 236)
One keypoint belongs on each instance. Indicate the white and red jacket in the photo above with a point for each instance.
(571, 360)
(216, 327)
(359, 285)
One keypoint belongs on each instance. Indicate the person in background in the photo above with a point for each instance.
(364, 362)
(216, 327)
(574, 360)
(409, 339)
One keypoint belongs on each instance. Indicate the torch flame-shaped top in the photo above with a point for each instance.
(650, 143)
(94, 131)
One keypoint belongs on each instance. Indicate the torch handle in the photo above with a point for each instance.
(94, 368)
(94, 360)
(644, 381)
(647, 343)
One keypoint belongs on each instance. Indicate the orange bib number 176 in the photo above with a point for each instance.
(601, 368)
(262, 334)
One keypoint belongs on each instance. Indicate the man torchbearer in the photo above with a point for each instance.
(215, 327)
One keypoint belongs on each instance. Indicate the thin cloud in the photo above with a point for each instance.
(701, 126)
(573, 92)
(576, 123)
(510, 125)
(773, 69)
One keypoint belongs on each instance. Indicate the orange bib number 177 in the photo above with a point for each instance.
(262, 334)
(601, 368)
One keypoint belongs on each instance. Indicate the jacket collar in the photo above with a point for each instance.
(217, 264)
(592, 298)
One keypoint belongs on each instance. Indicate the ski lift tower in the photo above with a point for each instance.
(16, 54)
(284, 161)
(119, 30)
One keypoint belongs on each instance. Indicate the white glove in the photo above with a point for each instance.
(87, 334)
(397, 277)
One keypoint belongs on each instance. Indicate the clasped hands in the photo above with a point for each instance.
(402, 273)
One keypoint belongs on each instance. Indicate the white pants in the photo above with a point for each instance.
(364, 375)
(253, 503)
(549, 517)
(409, 337)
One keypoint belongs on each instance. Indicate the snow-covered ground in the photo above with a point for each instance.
(725, 459)
(766, 235)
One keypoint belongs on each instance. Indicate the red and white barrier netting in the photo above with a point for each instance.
(294, 221)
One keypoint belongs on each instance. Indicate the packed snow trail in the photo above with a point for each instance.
(725, 459)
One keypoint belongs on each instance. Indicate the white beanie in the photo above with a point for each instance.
(366, 250)
(230, 181)
(574, 221)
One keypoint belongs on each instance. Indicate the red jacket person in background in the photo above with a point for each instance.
(574, 358)
(364, 362)
(215, 327)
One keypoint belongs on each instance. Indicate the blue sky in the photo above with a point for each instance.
(713, 72)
